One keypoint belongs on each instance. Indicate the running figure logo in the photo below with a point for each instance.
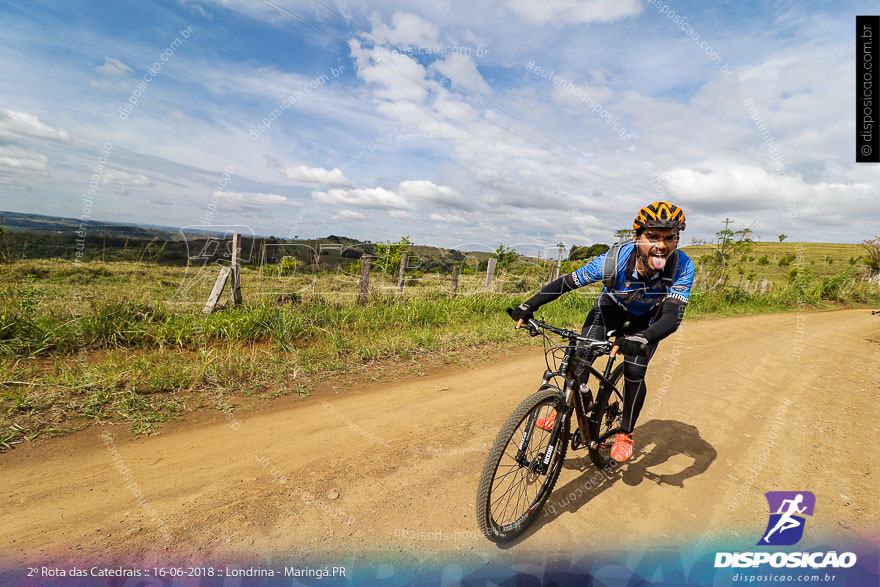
(787, 511)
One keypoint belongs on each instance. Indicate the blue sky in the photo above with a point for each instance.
(465, 123)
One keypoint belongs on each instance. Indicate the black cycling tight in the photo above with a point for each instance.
(607, 315)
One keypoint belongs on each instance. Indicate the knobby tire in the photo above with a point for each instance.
(490, 498)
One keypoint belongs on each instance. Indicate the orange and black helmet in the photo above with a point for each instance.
(659, 215)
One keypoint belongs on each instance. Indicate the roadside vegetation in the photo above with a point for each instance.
(127, 342)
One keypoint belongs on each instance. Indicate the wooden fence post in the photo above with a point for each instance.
(236, 268)
(364, 283)
(561, 248)
(748, 284)
(490, 271)
(453, 287)
(401, 274)
(219, 284)
(763, 286)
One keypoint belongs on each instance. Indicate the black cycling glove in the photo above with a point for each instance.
(522, 312)
(633, 345)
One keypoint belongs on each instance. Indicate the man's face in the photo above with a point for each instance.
(655, 245)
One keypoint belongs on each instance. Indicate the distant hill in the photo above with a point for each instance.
(61, 225)
(34, 236)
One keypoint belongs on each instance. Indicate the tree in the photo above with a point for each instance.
(624, 234)
(388, 255)
(872, 255)
(728, 246)
(506, 257)
(782, 237)
(579, 253)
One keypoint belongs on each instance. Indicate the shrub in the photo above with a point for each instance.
(786, 260)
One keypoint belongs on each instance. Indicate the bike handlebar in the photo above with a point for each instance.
(535, 327)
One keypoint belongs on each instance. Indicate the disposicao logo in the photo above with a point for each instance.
(784, 528)
(787, 521)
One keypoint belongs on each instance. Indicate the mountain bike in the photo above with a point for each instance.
(525, 461)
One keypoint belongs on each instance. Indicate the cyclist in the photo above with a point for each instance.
(649, 285)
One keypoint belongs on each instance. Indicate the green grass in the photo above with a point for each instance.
(111, 341)
(814, 256)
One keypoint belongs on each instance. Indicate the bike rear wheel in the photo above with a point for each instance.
(606, 415)
(511, 493)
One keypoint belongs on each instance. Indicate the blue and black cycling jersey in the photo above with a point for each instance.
(635, 293)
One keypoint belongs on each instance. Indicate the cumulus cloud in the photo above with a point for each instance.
(407, 29)
(409, 194)
(122, 178)
(399, 214)
(254, 199)
(17, 126)
(428, 192)
(348, 215)
(745, 186)
(564, 12)
(741, 187)
(395, 75)
(448, 218)
(114, 67)
(320, 175)
(462, 70)
(362, 198)
(13, 157)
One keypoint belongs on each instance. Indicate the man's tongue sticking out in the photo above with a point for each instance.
(657, 262)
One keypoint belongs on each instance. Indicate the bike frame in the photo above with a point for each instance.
(572, 399)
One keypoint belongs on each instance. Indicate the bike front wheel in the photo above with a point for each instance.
(512, 488)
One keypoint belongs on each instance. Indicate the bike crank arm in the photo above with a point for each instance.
(594, 444)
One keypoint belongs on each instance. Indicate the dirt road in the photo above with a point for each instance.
(736, 407)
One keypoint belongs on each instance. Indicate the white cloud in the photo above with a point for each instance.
(399, 214)
(15, 126)
(114, 67)
(448, 218)
(320, 175)
(745, 186)
(408, 195)
(348, 215)
(362, 198)
(407, 30)
(565, 12)
(398, 76)
(428, 192)
(749, 188)
(254, 199)
(122, 178)
(462, 70)
(22, 159)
